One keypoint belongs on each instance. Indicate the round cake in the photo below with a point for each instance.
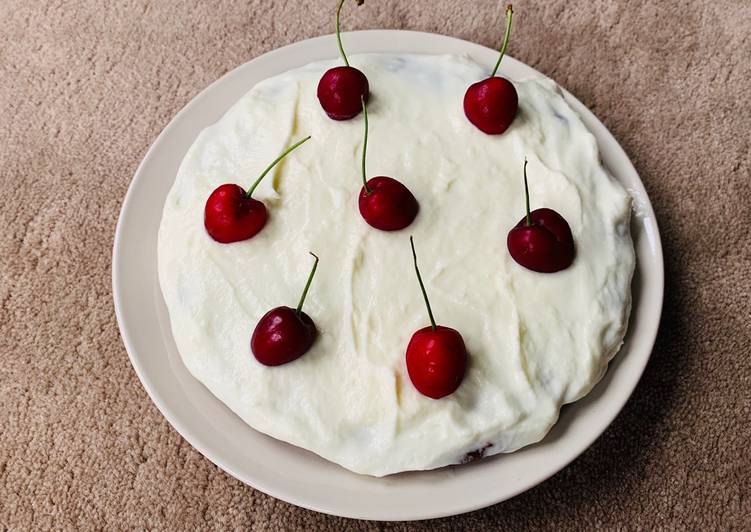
(535, 341)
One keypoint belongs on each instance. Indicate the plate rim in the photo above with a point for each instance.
(156, 396)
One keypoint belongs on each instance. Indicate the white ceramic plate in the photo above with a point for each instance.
(298, 476)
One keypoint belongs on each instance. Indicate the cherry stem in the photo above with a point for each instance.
(365, 144)
(509, 16)
(422, 286)
(526, 193)
(268, 169)
(338, 33)
(307, 285)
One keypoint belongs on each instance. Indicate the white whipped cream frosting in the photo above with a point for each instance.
(535, 341)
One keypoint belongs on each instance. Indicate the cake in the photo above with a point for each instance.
(534, 341)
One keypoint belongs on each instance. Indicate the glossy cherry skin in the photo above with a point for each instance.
(389, 206)
(436, 361)
(230, 215)
(546, 246)
(341, 91)
(282, 335)
(491, 104)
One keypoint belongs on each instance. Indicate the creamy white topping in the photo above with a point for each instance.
(536, 341)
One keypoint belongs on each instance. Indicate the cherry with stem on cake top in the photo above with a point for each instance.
(341, 88)
(232, 214)
(384, 202)
(284, 334)
(436, 355)
(542, 240)
(491, 104)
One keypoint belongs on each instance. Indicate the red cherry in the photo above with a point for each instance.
(342, 88)
(340, 91)
(284, 334)
(491, 104)
(384, 202)
(389, 206)
(546, 246)
(436, 355)
(436, 361)
(232, 215)
(542, 240)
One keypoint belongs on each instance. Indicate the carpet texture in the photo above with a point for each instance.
(85, 87)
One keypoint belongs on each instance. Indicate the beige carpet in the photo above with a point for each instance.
(86, 85)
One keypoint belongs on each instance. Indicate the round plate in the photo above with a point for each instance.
(298, 476)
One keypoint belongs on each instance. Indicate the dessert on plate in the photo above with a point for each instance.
(540, 312)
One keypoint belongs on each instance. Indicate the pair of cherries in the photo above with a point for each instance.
(343, 92)
(491, 104)
(232, 214)
(436, 355)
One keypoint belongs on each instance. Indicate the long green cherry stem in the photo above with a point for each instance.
(509, 16)
(526, 193)
(307, 284)
(269, 167)
(422, 286)
(338, 29)
(365, 144)
(338, 33)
